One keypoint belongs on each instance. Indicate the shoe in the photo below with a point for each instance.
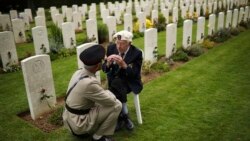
(128, 123)
(103, 138)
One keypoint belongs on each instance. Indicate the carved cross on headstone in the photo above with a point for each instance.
(202, 35)
(20, 34)
(9, 55)
(173, 49)
(71, 41)
(155, 52)
(143, 26)
(43, 48)
(8, 27)
(188, 40)
(129, 28)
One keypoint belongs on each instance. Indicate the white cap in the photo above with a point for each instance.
(123, 35)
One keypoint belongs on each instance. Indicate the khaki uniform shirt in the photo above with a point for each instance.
(87, 94)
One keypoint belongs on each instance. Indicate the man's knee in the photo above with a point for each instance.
(118, 106)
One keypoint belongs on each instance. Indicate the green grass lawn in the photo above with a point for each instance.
(208, 98)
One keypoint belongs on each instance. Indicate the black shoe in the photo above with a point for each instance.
(128, 123)
(103, 138)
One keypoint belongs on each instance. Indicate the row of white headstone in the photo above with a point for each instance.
(150, 39)
(41, 43)
(79, 12)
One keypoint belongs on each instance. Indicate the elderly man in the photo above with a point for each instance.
(123, 68)
(89, 109)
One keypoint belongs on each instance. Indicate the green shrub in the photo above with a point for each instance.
(146, 67)
(55, 39)
(29, 38)
(180, 55)
(180, 22)
(138, 35)
(208, 44)
(244, 24)
(12, 67)
(234, 31)
(195, 50)
(56, 117)
(103, 34)
(48, 15)
(161, 24)
(64, 52)
(221, 35)
(160, 66)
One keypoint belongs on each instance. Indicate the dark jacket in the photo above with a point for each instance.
(132, 74)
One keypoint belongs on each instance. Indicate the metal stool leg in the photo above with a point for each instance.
(137, 108)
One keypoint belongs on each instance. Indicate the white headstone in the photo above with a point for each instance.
(211, 24)
(128, 23)
(200, 30)
(18, 30)
(198, 10)
(129, 10)
(235, 18)
(184, 12)
(13, 14)
(91, 27)
(53, 13)
(241, 15)
(25, 19)
(111, 23)
(8, 49)
(39, 84)
(221, 21)
(105, 14)
(150, 45)
(165, 13)
(175, 15)
(77, 20)
(142, 21)
(228, 23)
(210, 7)
(29, 13)
(69, 37)
(92, 15)
(204, 7)
(40, 12)
(5, 22)
(69, 13)
(40, 39)
(215, 7)
(154, 17)
(40, 21)
(74, 8)
(171, 39)
(64, 9)
(59, 20)
(246, 14)
(118, 16)
(187, 33)
(191, 11)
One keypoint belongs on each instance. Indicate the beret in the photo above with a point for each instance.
(123, 35)
(92, 55)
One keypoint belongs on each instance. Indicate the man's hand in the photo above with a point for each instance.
(118, 59)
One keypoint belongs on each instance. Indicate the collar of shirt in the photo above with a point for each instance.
(124, 53)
